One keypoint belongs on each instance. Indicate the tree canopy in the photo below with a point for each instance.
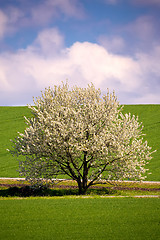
(83, 134)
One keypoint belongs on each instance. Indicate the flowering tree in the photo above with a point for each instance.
(82, 134)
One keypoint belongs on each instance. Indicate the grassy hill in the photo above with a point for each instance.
(12, 121)
(150, 116)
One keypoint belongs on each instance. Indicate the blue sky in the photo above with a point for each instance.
(114, 44)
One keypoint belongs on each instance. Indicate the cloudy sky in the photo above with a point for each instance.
(114, 44)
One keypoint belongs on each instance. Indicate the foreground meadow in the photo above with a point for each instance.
(80, 218)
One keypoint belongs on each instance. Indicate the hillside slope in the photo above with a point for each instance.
(12, 121)
(150, 116)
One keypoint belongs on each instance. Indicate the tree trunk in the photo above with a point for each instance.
(82, 183)
(82, 188)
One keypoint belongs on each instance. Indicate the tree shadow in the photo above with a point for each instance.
(28, 191)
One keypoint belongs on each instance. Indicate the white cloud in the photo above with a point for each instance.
(10, 20)
(139, 35)
(143, 27)
(45, 11)
(97, 65)
(28, 71)
(72, 8)
(38, 14)
(149, 62)
(115, 44)
(49, 42)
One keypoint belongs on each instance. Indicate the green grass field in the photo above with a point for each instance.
(80, 218)
(12, 121)
(150, 116)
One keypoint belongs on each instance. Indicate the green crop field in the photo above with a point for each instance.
(12, 121)
(80, 218)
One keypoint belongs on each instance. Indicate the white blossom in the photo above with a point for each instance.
(82, 134)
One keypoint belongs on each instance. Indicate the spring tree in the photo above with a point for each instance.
(82, 134)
